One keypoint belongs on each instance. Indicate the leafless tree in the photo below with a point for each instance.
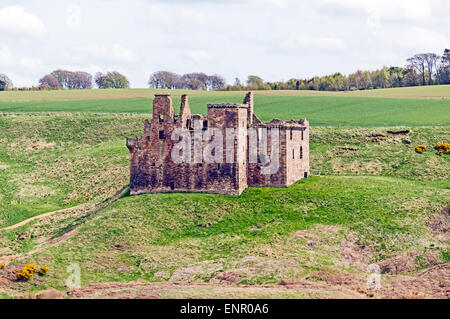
(99, 80)
(72, 80)
(195, 81)
(49, 81)
(418, 63)
(80, 80)
(216, 82)
(164, 80)
(5, 82)
(444, 68)
(431, 60)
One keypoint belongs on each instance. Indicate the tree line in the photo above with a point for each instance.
(62, 79)
(69, 80)
(421, 69)
(190, 81)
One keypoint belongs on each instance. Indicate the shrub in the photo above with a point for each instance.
(2, 266)
(27, 272)
(43, 270)
(421, 148)
(442, 148)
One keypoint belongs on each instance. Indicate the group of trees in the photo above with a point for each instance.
(190, 81)
(421, 69)
(430, 68)
(111, 80)
(62, 79)
(5, 82)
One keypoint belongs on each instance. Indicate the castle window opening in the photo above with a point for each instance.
(162, 135)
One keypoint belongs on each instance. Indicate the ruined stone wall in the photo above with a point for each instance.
(153, 170)
(297, 154)
(257, 176)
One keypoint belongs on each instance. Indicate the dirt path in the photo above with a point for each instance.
(29, 220)
(51, 242)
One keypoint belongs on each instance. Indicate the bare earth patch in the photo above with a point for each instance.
(40, 145)
(410, 262)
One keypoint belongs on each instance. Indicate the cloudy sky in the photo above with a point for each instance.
(275, 39)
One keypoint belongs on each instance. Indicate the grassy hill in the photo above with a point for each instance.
(376, 201)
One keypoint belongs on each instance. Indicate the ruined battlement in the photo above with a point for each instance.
(224, 151)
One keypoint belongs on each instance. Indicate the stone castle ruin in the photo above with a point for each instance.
(224, 152)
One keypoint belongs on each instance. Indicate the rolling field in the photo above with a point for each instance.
(376, 201)
(320, 111)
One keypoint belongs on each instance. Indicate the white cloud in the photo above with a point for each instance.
(411, 10)
(16, 20)
(277, 3)
(315, 43)
(416, 39)
(31, 63)
(7, 59)
(116, 53)
(198, 56)
(11, 60)
(73, 17)
(20, 80)
(193, 16)
(157, 15)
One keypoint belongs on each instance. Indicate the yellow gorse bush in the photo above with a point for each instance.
(442, 148)
(421, 148)
(27, 272)
(2, 266)
(43, 270)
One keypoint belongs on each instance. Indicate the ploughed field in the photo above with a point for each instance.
(376, 201)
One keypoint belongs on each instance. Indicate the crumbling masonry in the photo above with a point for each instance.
(153, 169)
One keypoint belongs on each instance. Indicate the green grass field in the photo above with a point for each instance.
(320, 111)
(377, 198)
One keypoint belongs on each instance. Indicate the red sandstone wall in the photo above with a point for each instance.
(152, 169)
